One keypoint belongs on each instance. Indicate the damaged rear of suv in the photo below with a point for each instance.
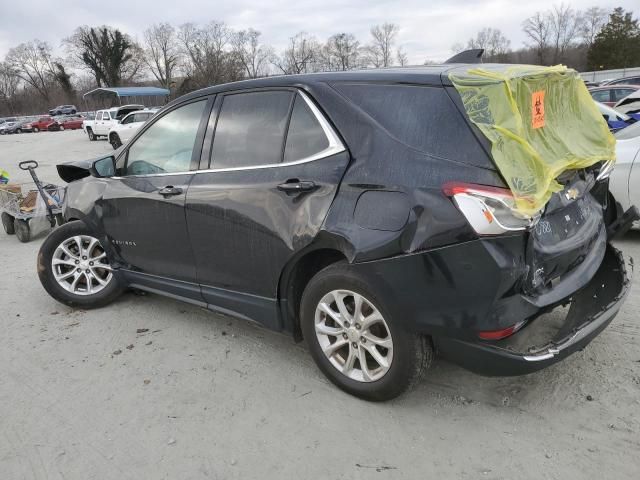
(382, 216)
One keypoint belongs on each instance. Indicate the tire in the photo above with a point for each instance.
(19, 130)
(7, 223)
(36, 129)
(22, 230)
(62, 128)
(409, 356)
(92, 136)
(76, 293)
(115, 141)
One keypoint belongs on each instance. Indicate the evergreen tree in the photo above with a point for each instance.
(618, 43)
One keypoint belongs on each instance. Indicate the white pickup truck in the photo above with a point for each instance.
(126, 128)
(105, 119)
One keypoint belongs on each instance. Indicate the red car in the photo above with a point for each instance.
(612, 94)
(71, 122)
(41, 124)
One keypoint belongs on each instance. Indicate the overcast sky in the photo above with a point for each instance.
(427, 29)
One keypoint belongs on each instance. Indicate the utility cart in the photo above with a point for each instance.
(22, 204)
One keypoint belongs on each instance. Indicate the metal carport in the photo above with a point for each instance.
(113, 96)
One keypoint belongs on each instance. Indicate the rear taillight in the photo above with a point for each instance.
(500, 334)
(489, 210)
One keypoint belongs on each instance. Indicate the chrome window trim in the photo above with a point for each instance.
(335, 147)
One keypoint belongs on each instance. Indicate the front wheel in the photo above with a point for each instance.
(355, 340)
(115, 141)
(92, 136)
(62, 128)
(36, 129)
(74, 269)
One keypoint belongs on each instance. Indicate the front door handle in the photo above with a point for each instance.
(169, 191)
(294, 186)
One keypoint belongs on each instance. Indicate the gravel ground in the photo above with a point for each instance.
(87, 395)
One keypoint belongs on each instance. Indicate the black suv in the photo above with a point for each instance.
(339, 208)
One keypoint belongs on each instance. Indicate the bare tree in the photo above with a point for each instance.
(110, 55)
(565, 29)
(161, 52)
(380, 50)
(538, 29)
(341, 52)
(593, 19)
(301, 56)
(401, 56)
(253, 56)
(9, 81)
(32, 63)
(208, 55)
(494, 43)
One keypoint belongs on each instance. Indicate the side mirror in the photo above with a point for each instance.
(104, 167)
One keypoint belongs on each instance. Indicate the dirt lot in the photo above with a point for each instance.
(198, 395)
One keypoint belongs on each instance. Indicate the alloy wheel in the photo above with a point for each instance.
(353, 335)
(80, 265)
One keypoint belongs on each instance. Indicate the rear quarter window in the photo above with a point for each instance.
(422, 117)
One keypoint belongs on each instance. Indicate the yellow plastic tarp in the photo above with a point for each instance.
(541, 121)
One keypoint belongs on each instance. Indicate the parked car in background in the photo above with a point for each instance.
(105, 119)
(122, 131)
(5, 126)
(63, 110)
(624, 182)
(356, 210)
(18, 126)
(616, 120)
(41, 124)
(612, 94)
(71, 122)
(635, 80)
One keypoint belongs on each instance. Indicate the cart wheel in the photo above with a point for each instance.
(7, 223)
(23, 232)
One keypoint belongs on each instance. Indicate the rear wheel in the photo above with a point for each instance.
(7, 224)
(354, 339)
(74, 269)
(23, 232)
(62, 128)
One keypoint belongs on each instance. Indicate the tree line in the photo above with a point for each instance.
(191, 56)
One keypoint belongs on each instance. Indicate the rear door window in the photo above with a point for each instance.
(620, 93)
(251, 129)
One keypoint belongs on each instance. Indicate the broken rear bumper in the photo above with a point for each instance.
(541, 342)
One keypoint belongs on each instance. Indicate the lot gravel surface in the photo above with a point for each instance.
(152, 388)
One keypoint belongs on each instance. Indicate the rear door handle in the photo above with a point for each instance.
(170, 191)
(293, 186)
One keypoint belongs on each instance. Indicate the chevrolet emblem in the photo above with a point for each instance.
(572, 193)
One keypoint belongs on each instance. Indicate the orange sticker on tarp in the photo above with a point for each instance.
(537, 109)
